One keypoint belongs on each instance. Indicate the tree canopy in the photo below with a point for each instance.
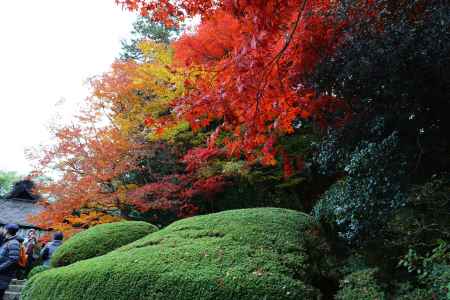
(7, 180)
(335, 108)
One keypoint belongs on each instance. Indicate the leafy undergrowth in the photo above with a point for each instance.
(361, 285)
(264, 253)
(100, 240)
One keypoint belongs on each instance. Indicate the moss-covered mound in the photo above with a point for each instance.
(99, 240)
(263, 253)
(37, 270)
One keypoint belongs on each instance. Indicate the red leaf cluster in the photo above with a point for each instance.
(249, 63)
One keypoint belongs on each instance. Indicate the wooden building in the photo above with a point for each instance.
(18, 206)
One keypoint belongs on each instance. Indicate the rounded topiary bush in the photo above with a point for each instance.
(100, 240)
(37, 270)
(264, 253)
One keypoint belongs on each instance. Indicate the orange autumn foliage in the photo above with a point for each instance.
(109, 162)
(86, 160)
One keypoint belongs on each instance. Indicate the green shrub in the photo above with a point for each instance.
(262, 253)
(424, 220)
(36, 270)
(396, 135)
(360, 285)
(417, 294)
(99, 240)
(361, 203)
(434, 284)
(354, 263)
(439, 281)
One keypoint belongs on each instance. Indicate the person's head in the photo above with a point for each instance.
(31, 233)
(11, 229)
(58, 236)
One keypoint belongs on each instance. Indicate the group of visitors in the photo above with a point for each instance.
(20, 254)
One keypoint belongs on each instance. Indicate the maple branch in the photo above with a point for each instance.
(291, 35)
(277, 57)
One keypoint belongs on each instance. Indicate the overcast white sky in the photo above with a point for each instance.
(48, 48)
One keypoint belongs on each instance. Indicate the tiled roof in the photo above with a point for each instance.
(17, 211)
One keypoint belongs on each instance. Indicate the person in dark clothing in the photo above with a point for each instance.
(30, 247)
(9, 256)
(2, 237)
(51, 247)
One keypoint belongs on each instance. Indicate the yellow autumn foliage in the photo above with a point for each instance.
(134, 91)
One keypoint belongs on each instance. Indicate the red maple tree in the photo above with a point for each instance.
(250, 62)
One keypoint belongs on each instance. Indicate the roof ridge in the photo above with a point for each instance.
(20, 199)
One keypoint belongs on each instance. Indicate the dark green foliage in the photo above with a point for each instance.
(390, 201)
(7, 180)
(37, 270)
(439, 281)
(423, 221)
(402, 67)
(434, 285)
(265, 253)
(432, 270)
(144, 29)
(353, 263)
(406, 291)
(100, 240)
(262, 186)
(396, 81)
(360, 285)
(400, 73)
(417, 294)
(372, 189)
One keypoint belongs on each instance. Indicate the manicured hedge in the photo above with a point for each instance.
(264, 253)
(37, 270)
(100, 240)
